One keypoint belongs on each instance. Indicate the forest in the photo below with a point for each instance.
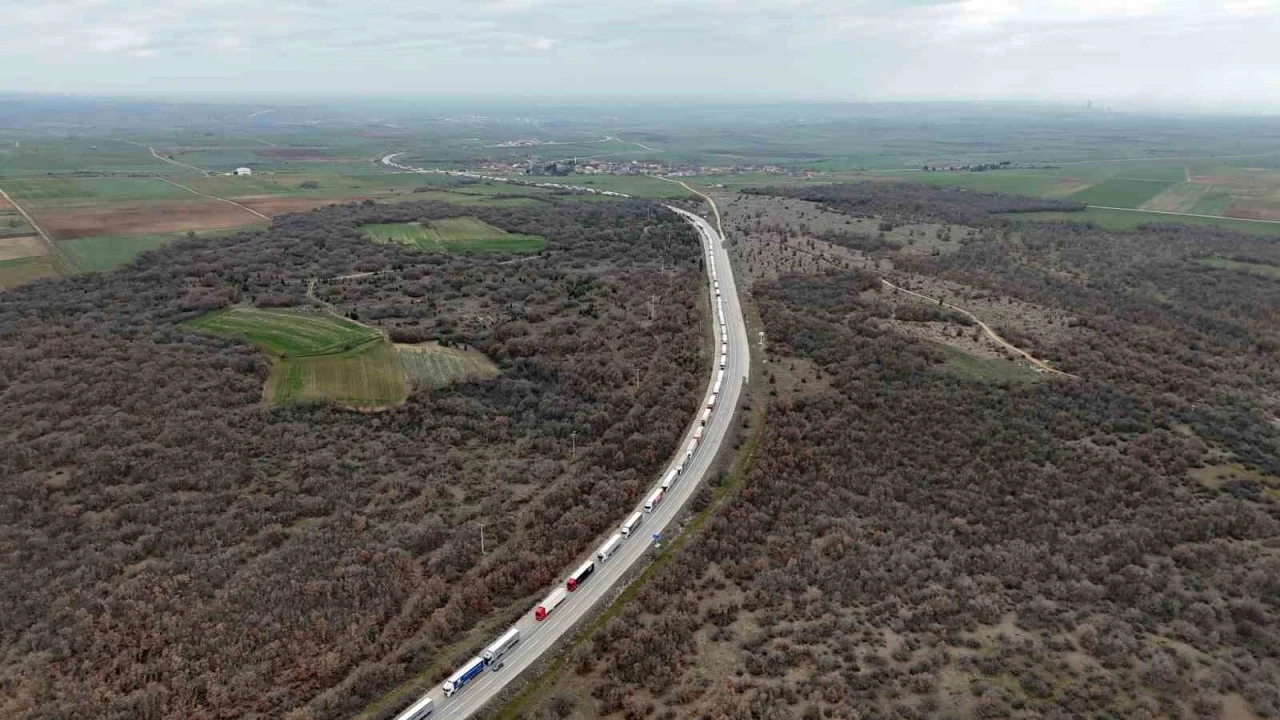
(913, 543)
(174, 548)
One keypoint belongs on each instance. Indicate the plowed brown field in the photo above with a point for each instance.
(1253, 210)
(143, 219)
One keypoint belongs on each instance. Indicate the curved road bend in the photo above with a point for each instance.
(536, 638)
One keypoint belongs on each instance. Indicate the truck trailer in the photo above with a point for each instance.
(549, 603)
(706, 415)
(654, 500)
(712, 402)
(631, 524)
(670, 478)
(465, 674)
(499, 647)
(418, 710)
(608, 547)
(580, 575)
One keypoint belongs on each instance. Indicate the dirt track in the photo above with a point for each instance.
(986, 329)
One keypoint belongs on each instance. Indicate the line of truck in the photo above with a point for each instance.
(491, 657)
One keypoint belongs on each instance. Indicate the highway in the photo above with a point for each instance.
(536, 638)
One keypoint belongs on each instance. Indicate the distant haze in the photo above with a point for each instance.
(1136, 54)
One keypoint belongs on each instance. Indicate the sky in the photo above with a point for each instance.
(1162, 54)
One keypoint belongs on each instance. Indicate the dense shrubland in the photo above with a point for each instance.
(173, 549)
(912, 543)
(897, 202)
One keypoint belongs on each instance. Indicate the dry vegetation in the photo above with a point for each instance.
(913, 543)
(174, 550)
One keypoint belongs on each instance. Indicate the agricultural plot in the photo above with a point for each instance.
(1179, 197)
(63, 192)
(1131, 219)
(12, 224)
(1016, 183)
(317, 357)
(130, 219)
(369, 376)
(20, 270)
(21, 246)
(1214, 202)
(459, 234)
(289, 333)
(105, 253)
(432, 365)
(1121, 192)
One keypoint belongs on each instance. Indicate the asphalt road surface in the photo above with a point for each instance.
(536, 637)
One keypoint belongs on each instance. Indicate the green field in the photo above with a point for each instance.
(961, 364)
(59, 192)
(317, 357)
(1120, 192)
(20, 270)
(430, 365)
(1214, 202)
(1130, 219)
(106, 253)
(325, 358)
(288, 333)
(369, 376)
(457, 234)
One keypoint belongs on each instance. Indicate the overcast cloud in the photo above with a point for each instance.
(1174, 53)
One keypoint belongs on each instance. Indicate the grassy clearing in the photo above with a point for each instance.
(369, 376)
(288, 333)
(1217, 476)
(431, 365)
(1121, 192)
(1129, 220)
(962, 364)
(18, 271)
(1266, 271)
(455, 235)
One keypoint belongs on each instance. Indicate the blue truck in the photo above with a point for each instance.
(465, 674)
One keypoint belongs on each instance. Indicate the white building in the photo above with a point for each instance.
(243, 171)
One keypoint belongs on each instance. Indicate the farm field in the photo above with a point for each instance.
(288, 333)
(368, 376)
(129, 219)
(17, 271)
(1120, 192)
(1128, 220)
(316, 357)
(433, 365)
(39, 193)
(106, 253)
(459, 234)
(1179, 197)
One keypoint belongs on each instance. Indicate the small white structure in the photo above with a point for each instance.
(241, 172)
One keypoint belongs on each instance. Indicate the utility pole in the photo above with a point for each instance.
(481, 538)
(761, 340)
(573, 438)
(652, 298)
